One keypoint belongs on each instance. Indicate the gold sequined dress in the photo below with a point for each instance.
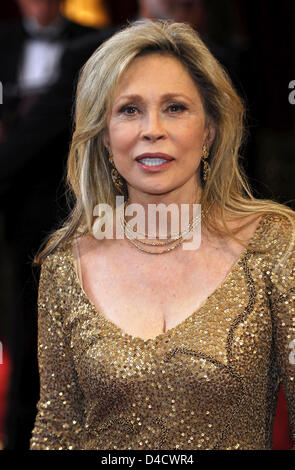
(211, 382)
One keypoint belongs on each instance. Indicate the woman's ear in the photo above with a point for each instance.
(105, 139)
(211, 134)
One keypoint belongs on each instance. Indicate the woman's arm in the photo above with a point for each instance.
(59, 419)
(285, 348)
(283, 310)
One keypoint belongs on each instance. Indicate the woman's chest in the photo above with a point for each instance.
(229, 337)
(146, 299)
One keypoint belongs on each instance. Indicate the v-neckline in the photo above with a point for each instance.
(189, 318)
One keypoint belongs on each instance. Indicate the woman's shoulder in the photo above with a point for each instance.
(265, 232)
(274, 247)
(275, 231)
(58, 257)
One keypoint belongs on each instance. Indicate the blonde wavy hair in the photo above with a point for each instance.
(89, 171)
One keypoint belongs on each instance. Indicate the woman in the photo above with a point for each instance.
(143, 344)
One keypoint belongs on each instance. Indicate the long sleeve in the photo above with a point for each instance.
(60, 408)
(283, 312)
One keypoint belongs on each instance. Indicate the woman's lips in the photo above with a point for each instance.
(154, 162)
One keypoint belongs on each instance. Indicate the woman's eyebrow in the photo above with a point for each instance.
(166, 96)
(132, 97)
(176, 95)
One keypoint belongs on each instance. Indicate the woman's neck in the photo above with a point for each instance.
(162, 214)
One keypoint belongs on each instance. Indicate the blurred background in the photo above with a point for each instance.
(43, 44)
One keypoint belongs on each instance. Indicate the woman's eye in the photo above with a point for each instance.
(175, 107)
(129, 110)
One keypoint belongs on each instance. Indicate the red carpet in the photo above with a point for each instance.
(4, 383)
(281, 432)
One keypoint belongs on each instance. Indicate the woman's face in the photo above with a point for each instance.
(157, 127)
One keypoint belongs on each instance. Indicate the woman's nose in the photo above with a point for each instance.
(153, 128)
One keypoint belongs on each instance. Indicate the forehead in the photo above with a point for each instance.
(156, 72)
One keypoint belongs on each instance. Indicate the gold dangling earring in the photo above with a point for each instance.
(206, 167)
(117, 180)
